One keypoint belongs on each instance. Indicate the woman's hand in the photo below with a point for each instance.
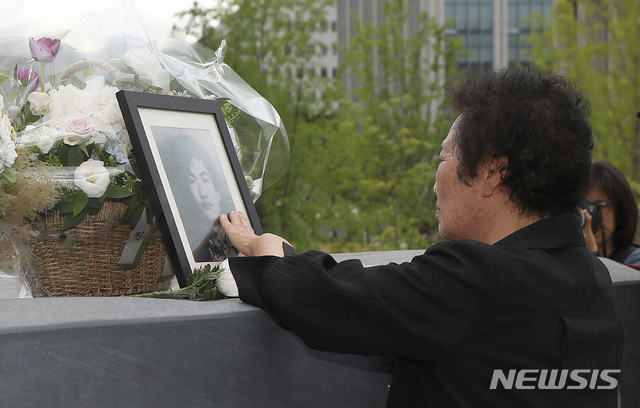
(592, 245)
(245, 239)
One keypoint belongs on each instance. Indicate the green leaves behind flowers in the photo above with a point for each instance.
(75, 204)
(201, 285)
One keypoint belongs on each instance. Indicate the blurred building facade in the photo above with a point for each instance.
(493, 31)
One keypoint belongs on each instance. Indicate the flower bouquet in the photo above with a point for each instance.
(100, 236)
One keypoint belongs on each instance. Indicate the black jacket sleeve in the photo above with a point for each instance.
(417, 310)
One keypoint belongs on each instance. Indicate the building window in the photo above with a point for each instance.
(473, 23)
(520, 13)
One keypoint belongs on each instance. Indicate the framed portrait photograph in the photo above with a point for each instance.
(189, 166)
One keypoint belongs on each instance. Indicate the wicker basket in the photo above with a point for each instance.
(83, 261)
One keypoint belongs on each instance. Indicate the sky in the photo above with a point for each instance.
(42, 13)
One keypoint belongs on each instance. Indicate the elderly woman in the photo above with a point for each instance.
(511, 308)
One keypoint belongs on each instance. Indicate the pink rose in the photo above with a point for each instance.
(45, 49)
(80, 128)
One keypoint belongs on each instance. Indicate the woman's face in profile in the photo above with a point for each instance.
(597, 194)
(203, 189)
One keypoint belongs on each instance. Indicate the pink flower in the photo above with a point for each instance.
(80, 127)
(45, 49)
(29, 77)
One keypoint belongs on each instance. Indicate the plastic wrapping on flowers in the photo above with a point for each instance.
(59, 86)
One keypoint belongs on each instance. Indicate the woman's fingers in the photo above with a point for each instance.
(239, 232)
(244, 221)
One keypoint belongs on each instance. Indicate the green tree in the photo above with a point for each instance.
(595, 43)
(399, 121)
(362, 164)
(273, 46)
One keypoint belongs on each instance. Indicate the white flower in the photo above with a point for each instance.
(92, 178)
(63, 102)
(97, 100)
(41, 136)
(39, 103)
(80, 128)
(225, 282)
(148, 66)
(7, 121)
(7, 147)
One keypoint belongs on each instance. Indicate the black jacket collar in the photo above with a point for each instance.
(553, 232)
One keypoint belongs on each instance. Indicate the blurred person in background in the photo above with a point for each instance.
(611, 215)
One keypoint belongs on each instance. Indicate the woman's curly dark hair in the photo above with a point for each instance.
(538, 121)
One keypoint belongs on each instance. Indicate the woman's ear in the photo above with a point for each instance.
(494, 171)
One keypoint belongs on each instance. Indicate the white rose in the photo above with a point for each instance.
(80, 128)
(44, 137)
(44, 141)
(39, 103)
(7, 147)
(92, 178)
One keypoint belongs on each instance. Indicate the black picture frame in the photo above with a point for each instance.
(186, 158)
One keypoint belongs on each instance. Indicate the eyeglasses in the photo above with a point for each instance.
(602, 204)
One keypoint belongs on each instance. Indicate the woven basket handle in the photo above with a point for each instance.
(80, 65)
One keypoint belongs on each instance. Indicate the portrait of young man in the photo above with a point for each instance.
(199, 189)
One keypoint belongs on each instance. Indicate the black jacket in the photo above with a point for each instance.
(535, 300)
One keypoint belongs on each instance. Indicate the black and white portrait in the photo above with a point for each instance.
(199, 187)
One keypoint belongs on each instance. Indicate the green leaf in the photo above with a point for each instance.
(94, 206)
(63, 151)
(133, 221)
(5, 75)
(81, 202)
(93, 211)
(9, 177)
(69, 196)
(70, 221)
(95, 203)
(14, 94)
(84, 150)
(77, 82)
(117, 191)
(66, 207)
(75, 156)
(132, 207)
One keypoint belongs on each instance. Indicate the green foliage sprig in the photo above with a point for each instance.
(201, 285)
